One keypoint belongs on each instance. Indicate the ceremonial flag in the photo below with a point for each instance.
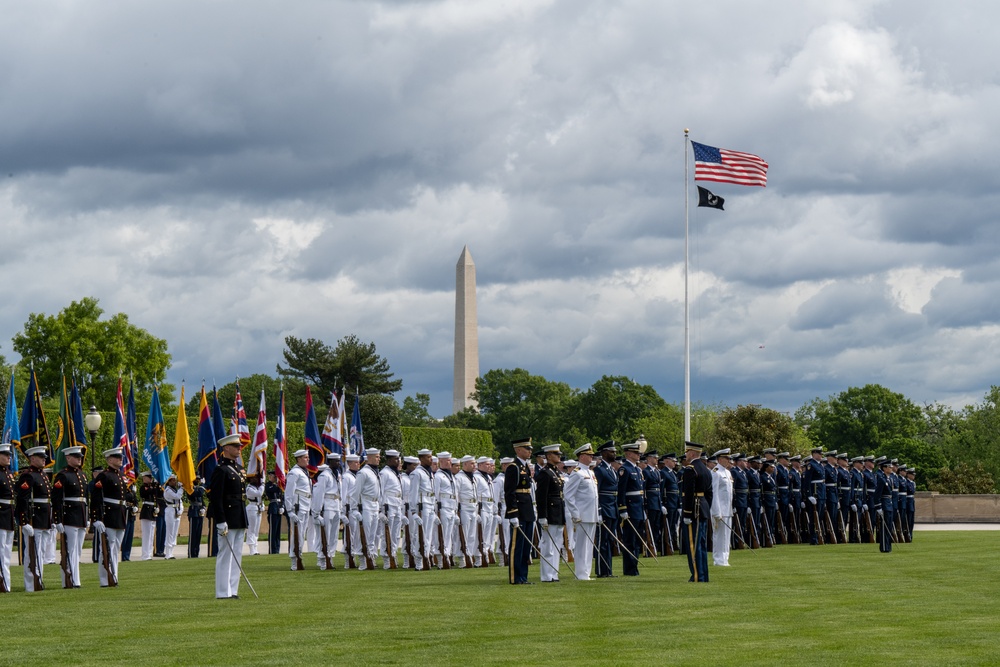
(258, 455)
(706, 198)
(280, 444)
(314, 445)
(34, 433)
(239, 422)
(207, 458)
(66, 434)
(155, 451)
(130, 458)
(725, 166)
(333, 429)
(11, 430)
(79, 427)
(180, 456)
(357, 438)
(120, 438)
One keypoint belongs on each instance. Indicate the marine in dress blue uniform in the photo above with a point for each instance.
(671, 490)
(607, 499)
(631, 508)
(696, 484)
(520, 512)
(741, 494)
(654, 500)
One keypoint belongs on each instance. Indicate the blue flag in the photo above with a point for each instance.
(357, 437)
(155, 452)
(11, 429)
(314, 444)
(33, 430)
(218, 423)
(79, 428)
(207, 458)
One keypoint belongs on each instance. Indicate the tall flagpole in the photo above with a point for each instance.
(687, 320)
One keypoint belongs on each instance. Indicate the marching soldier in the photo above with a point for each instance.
(298, 498)
(392, 505)
(108, 512)
(631, 508)
(148, 511)
(444, 490)
(34, 511)
(227, 495)
(173, 493)
(468, 515)
(365, 499)
(255, 510)
(196, 517)
(327, 501)
(423, 506)
(551, 514)
(722, 508)
(69, 510)
(487, 508)
(7, 524)
(275, 510)
(520, 513)
(581, 502)
(607, 497)
(697, 497)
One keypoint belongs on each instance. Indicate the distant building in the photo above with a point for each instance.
(466, 332)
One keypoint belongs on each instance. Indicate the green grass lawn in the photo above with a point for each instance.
(933, 602)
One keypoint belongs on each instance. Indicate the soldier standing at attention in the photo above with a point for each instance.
(697, 494)
(172, 495)
(69, 509)
(298, 500)
(255, 509)
(275, 510)
(227, 500)
(34, 512)
(148, 512)
(196, 517)
(520, 513)
(7, 525)
(607, 497)
(631, 508)
(551, 514)
(584, 512)
(108, 510)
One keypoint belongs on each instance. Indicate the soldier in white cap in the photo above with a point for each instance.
(298, 500)
(227, 496)
(148, 511)
(366, 508)
(447, 504)
(410, 464)
(108, 512)
(584, 512)
(255, 510)
(487, 511)
(34, 512)
(722, 508)
(351, 537)
(423, 510)
(327, 501)
(173, 494)
(392, 505)
(7, 524)
(69, 511)
(468, 515)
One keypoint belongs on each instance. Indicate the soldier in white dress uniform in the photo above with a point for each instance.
(423, 509)
(255, 510)
(298, 500)
(583, 509)
(173, 495)
(365, 503)
(392, 505)
(722, 508)
(447, 504)
(325, 508)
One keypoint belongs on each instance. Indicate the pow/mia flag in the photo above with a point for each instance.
(706, 198)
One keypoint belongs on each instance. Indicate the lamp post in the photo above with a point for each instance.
(92, 420)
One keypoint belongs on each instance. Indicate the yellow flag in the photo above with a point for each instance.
(180, 459)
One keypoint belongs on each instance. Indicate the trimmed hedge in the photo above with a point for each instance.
(458, 441)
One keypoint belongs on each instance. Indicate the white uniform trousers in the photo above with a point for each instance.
(48, 546)
(369, 518)
(227, 571)
(148, 538)
(331, 522)
(74, 547)
(173, 520)
(6, 549)
(301, 529)
(721, 535)
(427, 517)
(309, 536)
(31, 558)
(583, 549)
(449, 531)
(115, 537)
(549, 543)
(253, 532)
(467, 515)
(395, 517)
(489, 529)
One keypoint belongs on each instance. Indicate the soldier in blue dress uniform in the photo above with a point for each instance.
(631, 508)
(520, 512)
(753, 499)
(857, 496)
(697, 502)
(781, 475)
(814, 488)
(740, 497)
(911, 498)
(671, 491)
(769, 499)
(844, 492)
(654, 500)
(795, 496)
(884, 505)
(832, 501)
(607, 500)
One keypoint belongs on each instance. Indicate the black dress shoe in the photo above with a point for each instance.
(235, 597)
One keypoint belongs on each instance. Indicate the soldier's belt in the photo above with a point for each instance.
(754, 490)
(113, 501)
(40, 501)
(521, 491)
(634, 493)
(844, 488)
(373, 499)
(451, 496)
(75, 500)
(335, 496)
(303, 494)
(488, 500)
(673, 492)
(146, 503)
(769, 493)
(742, 491)
(6, 501)
(609, 493)
(783, 488)
(831, 484)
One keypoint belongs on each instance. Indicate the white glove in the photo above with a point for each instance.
(812, 499)
(544, 523)
(281, 510)
(87, 525)
(687, 522)
(790, 507)
(715, 522)
(866, 507)
(854, 508)
(600, 520)
(222, 528)
(60, 528)
(802, 505)
(356, 515)
(479, 519)
(623, 516)
(420, 522)
(663, 508)
(28, 530)
(344, 520)
(514, 522)
(879, 512)
(576, 519)
(202, 512)
(294, 518)
(437, 519)
(318, 520)
(383, 518)
(99, 527)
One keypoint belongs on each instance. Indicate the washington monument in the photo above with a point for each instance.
(466, 334)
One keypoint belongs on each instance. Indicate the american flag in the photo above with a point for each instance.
(280, 444)
(258, 455)
(725, 166)
(239, 422)
(121, 437)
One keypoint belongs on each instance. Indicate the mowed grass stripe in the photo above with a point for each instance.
(934, 602)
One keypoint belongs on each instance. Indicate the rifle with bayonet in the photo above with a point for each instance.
(369, 563)
(390, 548)
(406, 535)
(324, 544)
(296, 542)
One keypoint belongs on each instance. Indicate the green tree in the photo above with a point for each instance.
(78, 342)
(351, 364)
(380, 421)
(470, 418)
(861, 420)
(752, 428)
(414, 411)
(928, 458)
(612, 408)
(964, 478)
(978, 440)
(520, 404)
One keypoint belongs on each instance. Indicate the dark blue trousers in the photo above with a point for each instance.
(520, 552)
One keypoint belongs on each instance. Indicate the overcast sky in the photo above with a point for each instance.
(229, 173)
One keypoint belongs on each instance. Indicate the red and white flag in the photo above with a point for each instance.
(725, 166)
(258, 455)
(280, 444)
